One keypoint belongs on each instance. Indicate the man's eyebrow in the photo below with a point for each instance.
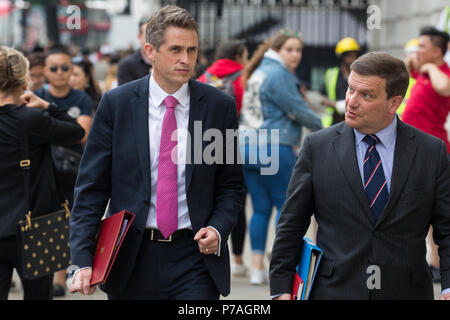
(363, 90)
(181, 46)
(367, 89)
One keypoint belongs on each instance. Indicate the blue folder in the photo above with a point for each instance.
(307, 267)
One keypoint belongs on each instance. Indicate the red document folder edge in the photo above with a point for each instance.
(112, 232)
(297, 287)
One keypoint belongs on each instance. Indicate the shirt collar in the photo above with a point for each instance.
(272, 54)
(157, 94)
(386, 135)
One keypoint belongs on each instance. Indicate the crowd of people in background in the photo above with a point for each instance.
(267, 95)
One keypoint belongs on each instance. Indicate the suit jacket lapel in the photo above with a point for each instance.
(404, 153)
(139, 109)
(344, 146)
(197, 112)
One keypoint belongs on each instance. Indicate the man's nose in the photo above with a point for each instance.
(352, 100)
(184, 57)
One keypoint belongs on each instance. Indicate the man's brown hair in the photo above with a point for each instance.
(167, 16)
(274, 43)
(385, 66)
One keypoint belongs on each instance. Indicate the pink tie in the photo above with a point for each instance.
(166, 190)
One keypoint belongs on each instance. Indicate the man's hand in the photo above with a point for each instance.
(208, 240)
(285, 296)
(327, 102)
(81, 282)
(439, 80)
(427, 68)
(445, 296)
(412, 62)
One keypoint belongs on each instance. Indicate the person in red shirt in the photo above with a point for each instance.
(230, 60)
(429, 103)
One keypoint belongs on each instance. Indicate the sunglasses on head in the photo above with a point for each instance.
(290, 33)
(64, 68)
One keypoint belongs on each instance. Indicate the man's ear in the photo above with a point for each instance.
(437, 52)
(149, 51)
(395, 104)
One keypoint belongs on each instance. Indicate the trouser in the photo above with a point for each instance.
(238, 233)
(169, 271)
(39, 289)
(267, 191)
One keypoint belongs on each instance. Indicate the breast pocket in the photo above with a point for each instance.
(415, 206)
(414, 195)
(417, 198)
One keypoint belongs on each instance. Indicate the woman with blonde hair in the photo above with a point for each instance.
(45, 124)
(275, 109)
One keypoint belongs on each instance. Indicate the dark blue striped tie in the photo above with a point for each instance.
(374, 180)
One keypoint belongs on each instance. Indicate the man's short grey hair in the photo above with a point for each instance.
(167, 16)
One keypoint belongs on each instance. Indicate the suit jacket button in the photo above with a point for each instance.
(146, 202)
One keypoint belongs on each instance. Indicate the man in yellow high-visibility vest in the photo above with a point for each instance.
(347, 51)
(444, 25)
(410, 48)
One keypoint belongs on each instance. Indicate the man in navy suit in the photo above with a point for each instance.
(185, 209)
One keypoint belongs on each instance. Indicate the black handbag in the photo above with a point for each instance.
(65, 160)
(43, 240)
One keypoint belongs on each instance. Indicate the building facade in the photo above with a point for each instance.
(401, 20)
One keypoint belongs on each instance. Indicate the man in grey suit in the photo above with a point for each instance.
(374, 185)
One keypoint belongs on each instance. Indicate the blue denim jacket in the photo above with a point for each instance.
(280, 101)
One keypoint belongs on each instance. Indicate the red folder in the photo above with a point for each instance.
(112, 232)
(297, 287)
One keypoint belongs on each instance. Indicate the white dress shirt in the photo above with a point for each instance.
(155, 120)
(156, 111)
